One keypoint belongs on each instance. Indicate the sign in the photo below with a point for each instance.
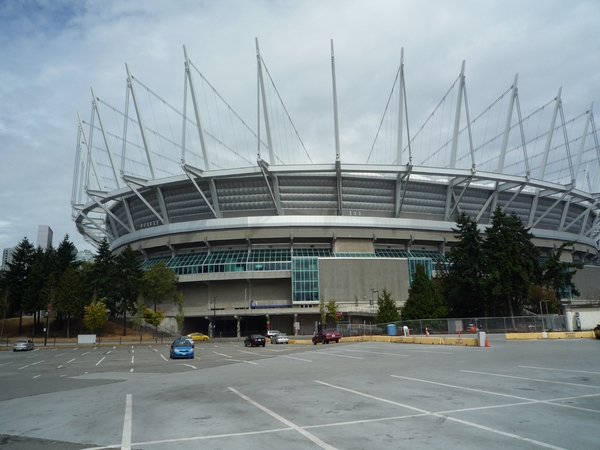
(338, 314)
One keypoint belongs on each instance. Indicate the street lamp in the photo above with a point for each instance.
(214, 316)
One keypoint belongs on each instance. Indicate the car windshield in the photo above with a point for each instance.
(181, 344)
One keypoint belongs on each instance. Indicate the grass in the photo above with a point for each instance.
(110, 330)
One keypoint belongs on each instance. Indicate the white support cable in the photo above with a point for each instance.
(106, 142)
(454, 149)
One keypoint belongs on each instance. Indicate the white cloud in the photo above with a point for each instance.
(52, 52)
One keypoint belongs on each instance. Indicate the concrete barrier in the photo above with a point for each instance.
(551, 335)
(428, 340)
(461, 341)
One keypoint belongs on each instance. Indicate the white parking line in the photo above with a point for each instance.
(241, 360)
(294, 357)
(222, 354)
(445, 417)
(3, 364)
(163, 358)
(531, 379)
(126, 439)
(32, 364)
(101, 360)
(559, 370)
(132, 359)
(189, 365)
(339, 356)
(375, 353)
(302, 431)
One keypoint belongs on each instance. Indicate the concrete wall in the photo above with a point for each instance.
(586, 280)
(344, 278)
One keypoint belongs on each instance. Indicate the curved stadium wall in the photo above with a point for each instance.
(259, 246)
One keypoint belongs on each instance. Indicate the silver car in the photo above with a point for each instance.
(23, 344)
(280, 338)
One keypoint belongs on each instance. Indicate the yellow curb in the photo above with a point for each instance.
(461, 341)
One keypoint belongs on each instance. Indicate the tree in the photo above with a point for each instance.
(333, 310)
(511, 262)
(103, 280)
(154, 318)
(464, 284)
(180, 316)
(387, 311)
(138, 317)
(95, 315)
(159, 283)
(424, 300)
(17, 276)
(129, 284)
(68, 299)
(558, 275)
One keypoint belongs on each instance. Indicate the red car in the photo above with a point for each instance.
(326, 336)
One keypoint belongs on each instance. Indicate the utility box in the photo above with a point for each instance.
(481, 338)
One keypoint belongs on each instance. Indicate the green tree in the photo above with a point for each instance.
(95, 315)
(332, 311)
(387, 311)
(465, 280)
(558, 275)
(424, 300)
(17, 276)
(180, 316)
(511, 262)
(154, 318)
(138, 316)
(159, 284)
(104, 277)
(68, 298)
(129, 285)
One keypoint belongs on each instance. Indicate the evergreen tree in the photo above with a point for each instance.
(511, 262)
(103, 281)
(465, 280)
(68, 298)
(129, 285)
(387, 311)
(424, 300)
(159, 284)
(18, 275)
(558, 275)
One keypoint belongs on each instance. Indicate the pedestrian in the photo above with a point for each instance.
(406, 332)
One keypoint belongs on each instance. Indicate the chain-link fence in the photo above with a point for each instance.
(520, 324)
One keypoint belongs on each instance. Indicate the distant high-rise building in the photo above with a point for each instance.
(44, 237)
(7, 255)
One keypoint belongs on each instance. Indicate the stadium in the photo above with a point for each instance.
(259, 234)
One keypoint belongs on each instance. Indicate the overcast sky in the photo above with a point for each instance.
(52, 52)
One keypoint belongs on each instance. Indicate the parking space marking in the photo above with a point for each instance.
(37, 376)
(294, 357)
(292, 425)
(164, 358)
(559, 370)
(339, 356)
(132, 356)
(189, 365)
(241, 360)
(126, 439)
(375, 353)
(3, 364)
(445, 417)
(101, 360)
(222, 354)
(531, 379)
(32, 364)
(60, 354)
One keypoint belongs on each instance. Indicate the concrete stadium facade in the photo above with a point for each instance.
(259, 246)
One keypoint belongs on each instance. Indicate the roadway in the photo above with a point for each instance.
(517, 394)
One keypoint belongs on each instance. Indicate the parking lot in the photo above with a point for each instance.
(515, 394)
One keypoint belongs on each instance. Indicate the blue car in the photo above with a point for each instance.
(181, 348)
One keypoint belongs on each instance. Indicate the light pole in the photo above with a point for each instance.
(546, 302)
(214, 316)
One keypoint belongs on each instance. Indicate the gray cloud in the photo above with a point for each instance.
(52, 52)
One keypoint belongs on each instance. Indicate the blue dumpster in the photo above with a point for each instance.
(391, 328)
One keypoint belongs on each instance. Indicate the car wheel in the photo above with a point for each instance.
(192, 357)
(263, 345)
(337, 341)
(315, 342)
(324, 341)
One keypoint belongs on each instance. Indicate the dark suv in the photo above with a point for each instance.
(326, 336)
